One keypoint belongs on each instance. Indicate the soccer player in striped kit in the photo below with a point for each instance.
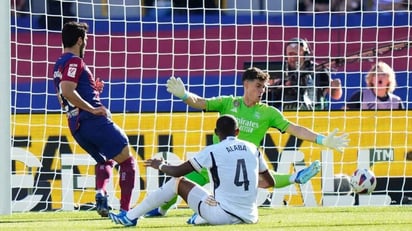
(89, 121)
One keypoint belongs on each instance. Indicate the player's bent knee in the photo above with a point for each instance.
(183, 187)
(178, 179)
(123, 155)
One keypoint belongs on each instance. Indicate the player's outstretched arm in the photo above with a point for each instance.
(171, 170)
(331, 141)
(176, 87)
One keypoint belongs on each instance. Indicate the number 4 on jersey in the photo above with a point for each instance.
(241, 175)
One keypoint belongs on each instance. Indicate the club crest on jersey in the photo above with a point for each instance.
(257, 115)
(236, 104)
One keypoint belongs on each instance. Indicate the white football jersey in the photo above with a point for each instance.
(234, 166)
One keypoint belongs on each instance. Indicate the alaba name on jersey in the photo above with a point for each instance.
(234, 166)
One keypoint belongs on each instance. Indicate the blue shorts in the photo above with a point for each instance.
(101, 138)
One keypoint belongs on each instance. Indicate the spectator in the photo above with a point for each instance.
(381, 83)
(304, 86)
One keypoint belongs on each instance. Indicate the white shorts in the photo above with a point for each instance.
(213, 214)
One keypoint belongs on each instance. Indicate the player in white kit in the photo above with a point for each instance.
(237, 169)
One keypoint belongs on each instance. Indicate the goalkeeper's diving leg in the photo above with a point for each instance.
(281, 180)
(201, 178)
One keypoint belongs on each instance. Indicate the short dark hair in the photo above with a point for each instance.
(72, 31)
(226, 125)
(253, 73)
(302, 43)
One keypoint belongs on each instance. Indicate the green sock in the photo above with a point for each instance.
(281, 179)
(201, 178)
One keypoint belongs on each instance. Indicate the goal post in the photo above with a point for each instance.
(134, 49)
(5, 144)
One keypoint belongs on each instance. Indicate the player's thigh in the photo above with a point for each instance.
(105, 135)
(213, 214)
(89, 147)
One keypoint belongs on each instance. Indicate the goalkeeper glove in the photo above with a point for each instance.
(177, 88)
(333, 141)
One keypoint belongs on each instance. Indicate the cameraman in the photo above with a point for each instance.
(303, 86)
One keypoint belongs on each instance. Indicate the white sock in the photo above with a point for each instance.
(154, 199)
(162, 211)
(292, 177)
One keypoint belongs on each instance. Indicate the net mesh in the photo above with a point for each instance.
(135, 46)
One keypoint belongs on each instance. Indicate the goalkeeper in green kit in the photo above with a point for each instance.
(254, 119)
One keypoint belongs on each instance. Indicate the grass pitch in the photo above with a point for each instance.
(284, 218)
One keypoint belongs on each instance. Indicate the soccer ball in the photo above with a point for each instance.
(363, 181)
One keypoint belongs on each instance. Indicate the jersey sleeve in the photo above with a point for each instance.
(72, 70)
(201, 160)
(218, 104)
(278, 120)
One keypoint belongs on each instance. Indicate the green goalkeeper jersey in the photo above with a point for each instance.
(253, 121)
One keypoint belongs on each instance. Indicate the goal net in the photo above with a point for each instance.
(135, 46)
